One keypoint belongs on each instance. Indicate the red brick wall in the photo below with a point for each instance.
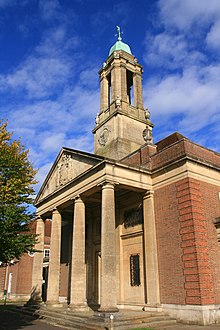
(212, 211)
(194, 232)
(22, 270)
(64, 278)
(199, 152)
(169, 246)
(24, 278)
(2, 278)
(188, 250)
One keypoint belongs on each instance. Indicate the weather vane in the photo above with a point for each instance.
(119, 33)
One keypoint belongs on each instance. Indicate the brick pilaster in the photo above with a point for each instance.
(193, 230)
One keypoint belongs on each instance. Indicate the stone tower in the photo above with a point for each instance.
(122, 119)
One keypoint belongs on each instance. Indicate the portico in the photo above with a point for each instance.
(90, 206)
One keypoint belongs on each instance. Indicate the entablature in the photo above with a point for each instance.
(90, 182)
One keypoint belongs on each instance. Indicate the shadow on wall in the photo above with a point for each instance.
(35, 297)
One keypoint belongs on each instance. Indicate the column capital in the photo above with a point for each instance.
(78, 199)
(149, 194)
(55, 210)
(103, 76)
(137, 73)
(107, 184)
(39, 218)
(123, 65)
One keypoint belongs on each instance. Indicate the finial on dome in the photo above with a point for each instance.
(119, 33)
(119, 45)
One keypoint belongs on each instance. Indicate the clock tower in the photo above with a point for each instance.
(122, 125)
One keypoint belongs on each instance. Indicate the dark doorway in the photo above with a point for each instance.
(44, 284)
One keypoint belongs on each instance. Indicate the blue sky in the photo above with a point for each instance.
(51, 51)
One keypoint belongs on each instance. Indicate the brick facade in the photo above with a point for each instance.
(21, 272)
(185, 210)
(197, 269)
(169, 246)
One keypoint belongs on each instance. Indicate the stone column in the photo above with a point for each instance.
(124, 91)
(135, 84)
(108, 294)
(54, 264)
(150, 247)
(78, 269)
(104, 91)
(36, 294)
(116, 81)
(138, 96)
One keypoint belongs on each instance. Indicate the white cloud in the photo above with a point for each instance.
(56, 95)
(41, 174)
(193, 96)
(183, 14)
(89, 77)
(184, 93)
(189, 15)
(46, 69)
(46, 126)
(8, 3)
(49, 9)
(213, 37)
(170, 51)
(37, 76)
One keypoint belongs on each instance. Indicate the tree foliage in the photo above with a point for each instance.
(16, 190)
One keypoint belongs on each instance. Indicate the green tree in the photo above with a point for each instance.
(16, 191)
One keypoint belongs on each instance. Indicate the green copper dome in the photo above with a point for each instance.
(119, 45)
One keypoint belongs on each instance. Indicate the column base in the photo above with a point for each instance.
(79, 307)
(108, 310)
(54, 303)
(152, 308)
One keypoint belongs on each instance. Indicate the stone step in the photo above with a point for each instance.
(59, 320)
(87, 321)
(153, 324)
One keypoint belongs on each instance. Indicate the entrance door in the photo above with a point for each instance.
(44, 284)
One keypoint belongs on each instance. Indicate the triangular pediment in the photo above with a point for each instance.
(69, 165)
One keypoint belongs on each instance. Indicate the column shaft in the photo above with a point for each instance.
(124, 92)
(104, 91)
(138, 97)
(78, 269)
(108, 295)
(116, 81)
(150, 244)
(37, 278)
(54, 264)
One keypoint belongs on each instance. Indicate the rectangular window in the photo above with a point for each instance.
(135, 270)
(46, 253)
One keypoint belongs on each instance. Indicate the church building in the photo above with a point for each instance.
(136, 225)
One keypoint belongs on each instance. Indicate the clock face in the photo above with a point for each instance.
(104, 135)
